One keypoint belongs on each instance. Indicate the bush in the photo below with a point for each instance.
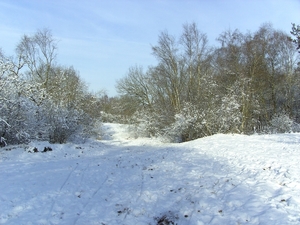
(281, 123)
(146, 123)
(187, 126)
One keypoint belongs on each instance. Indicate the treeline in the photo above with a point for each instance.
(249, 83)
(42, 100)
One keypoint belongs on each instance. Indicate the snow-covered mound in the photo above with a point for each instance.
(223, 179)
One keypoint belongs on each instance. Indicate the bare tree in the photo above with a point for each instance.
(136, 85)
(169, 74)
(196, 58)
(38, 52)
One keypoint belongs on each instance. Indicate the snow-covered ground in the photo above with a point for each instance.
(223, 179)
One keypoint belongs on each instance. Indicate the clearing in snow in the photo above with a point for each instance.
(222, 179)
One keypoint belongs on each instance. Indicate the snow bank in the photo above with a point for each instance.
(223, 179)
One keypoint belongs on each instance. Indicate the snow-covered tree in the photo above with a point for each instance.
(41, 100)
(14, 109)
(196, 90)
(296, 33)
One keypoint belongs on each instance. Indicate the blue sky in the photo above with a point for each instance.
(102, 39)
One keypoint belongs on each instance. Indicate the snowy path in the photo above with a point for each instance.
(223, 179)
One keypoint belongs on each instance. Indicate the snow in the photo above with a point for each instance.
(222, 179)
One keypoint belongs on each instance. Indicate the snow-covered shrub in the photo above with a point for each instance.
(31, 114)
(228, 116)
(62, 123)
(194, 122)
(148, 123)
(281, 123)
(14, 109)
(188, 124)
(87, 127)
(112, 118)
(107, 117)
(49, 103)
(2, 139)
